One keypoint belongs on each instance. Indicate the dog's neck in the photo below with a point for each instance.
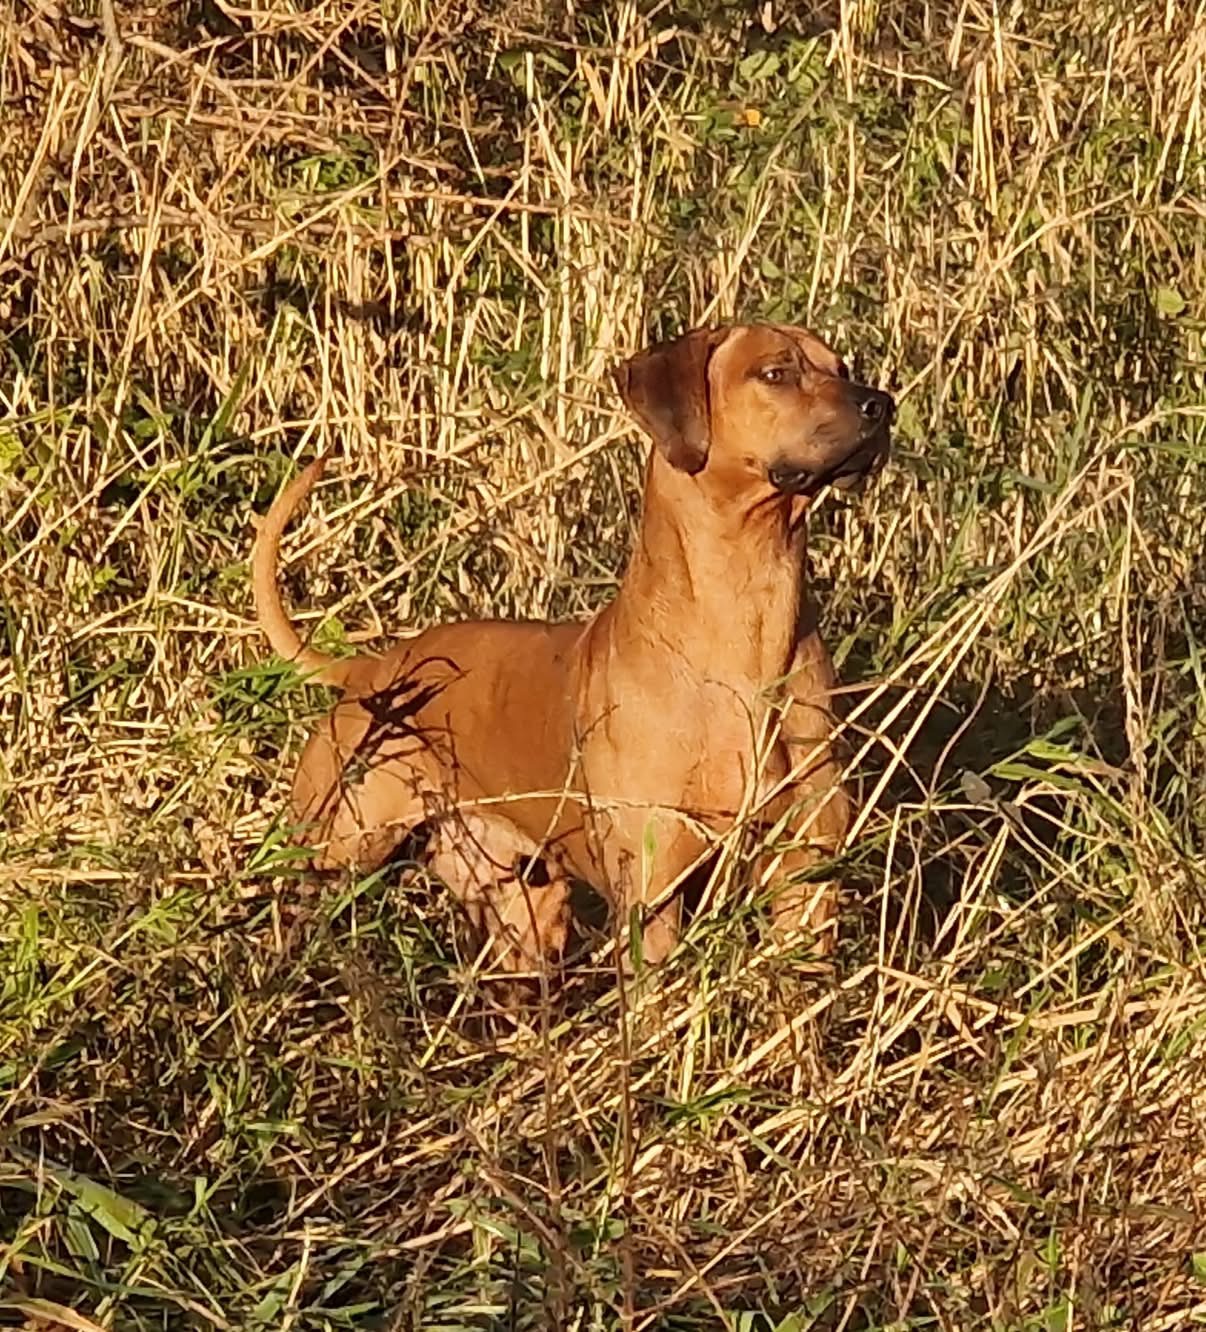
(733, 567)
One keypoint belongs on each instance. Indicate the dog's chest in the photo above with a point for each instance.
(688, 734)
(736, 749)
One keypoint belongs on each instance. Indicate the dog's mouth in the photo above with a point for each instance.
(850, 475)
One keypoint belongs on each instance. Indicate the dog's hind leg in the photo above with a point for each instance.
(358, 790)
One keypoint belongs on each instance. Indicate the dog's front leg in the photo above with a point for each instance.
(813, 808)
(800, 904)
(648, 854)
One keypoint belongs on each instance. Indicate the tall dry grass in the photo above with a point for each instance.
(419, 236)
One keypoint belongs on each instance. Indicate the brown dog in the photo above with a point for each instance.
(617, 749)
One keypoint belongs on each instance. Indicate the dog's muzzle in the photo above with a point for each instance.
(865, 458)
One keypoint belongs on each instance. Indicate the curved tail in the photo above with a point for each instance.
(269, 611)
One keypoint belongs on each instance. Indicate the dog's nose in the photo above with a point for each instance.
(875, 407)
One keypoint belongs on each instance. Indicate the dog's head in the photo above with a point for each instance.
(764, 408)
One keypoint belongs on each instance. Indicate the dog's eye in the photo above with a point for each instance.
(775, 374)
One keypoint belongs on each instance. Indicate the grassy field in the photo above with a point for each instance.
(419, 236)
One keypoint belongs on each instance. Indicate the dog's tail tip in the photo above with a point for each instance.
(270, 611)
(313, 470)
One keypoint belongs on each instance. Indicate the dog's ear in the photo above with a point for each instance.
(666, 389)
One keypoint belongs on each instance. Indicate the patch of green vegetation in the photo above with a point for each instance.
(353, 162)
